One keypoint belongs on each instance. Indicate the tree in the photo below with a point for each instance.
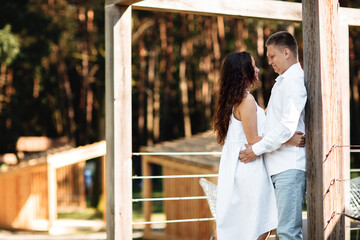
(9, 49)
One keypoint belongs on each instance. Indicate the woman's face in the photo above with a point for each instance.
(256, 70)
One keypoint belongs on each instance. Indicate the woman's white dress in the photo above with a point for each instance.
(245, 205)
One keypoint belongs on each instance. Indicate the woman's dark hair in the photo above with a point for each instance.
(283, 39)
(236, 75)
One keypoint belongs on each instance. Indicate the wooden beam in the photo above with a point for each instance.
(277, 10)
(76, 155)
(350, 16)
(325, 196)
(263, 9)
(121, 2)
(118, 122)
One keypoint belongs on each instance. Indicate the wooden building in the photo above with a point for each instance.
(32, 192)
(182, 187)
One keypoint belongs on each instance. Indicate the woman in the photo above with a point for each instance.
(246, 207)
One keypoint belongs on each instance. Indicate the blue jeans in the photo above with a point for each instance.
(290, 192)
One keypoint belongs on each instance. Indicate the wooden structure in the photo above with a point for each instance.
(182, 165)
(326, 63)
(31, 191)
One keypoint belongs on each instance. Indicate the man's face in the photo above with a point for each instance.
(276, 58)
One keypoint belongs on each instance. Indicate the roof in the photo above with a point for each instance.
(203, 142)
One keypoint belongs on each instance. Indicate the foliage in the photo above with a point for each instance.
(53, 95)
(9, 45)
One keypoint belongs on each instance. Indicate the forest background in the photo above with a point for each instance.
(52, 70)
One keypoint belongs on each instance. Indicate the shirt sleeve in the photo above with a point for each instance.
(293, 99)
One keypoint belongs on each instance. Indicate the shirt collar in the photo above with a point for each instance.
(291, 70)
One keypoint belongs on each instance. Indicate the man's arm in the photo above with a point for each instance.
(293, 102)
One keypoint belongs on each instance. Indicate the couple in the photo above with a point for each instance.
(254, 195)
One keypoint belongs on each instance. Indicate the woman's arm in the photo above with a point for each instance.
(246, 113)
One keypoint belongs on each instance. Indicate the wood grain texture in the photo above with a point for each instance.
(118, 122)
(121, 2)
(324, 118)
(254, 9)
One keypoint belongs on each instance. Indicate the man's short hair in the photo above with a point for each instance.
(283, 40)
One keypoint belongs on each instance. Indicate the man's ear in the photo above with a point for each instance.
(287, 53)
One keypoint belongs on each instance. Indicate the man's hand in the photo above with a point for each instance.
(247, 155)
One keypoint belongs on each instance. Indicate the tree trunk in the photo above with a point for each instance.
(167, 48)
(141, 90)
(90, 71)
(2, 84)
(65, 83)
(150, 98)
(156, 100)
(206, 88)
(183, 80)
(84, 71)
(241, 33)
(221, 28)
(217, 53)
(260, 52)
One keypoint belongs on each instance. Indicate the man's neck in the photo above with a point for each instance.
(290, 63)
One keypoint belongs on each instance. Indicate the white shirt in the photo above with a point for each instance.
(284, 116)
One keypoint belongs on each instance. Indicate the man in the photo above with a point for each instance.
(285, 115)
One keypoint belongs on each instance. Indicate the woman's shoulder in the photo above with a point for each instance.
(247, 103)
(248, 99)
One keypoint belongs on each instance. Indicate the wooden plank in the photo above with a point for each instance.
(287, 11)
(263, 9)
(77, 155)
(52, 195)
(147, 193)
(350, 15)
(344, 72)
(121, 2)
(22, 168)
(165, 162)
(118, 122)
(323, 118)
(103, 160)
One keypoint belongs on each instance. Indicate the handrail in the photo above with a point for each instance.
(175, 176)
(176, 221)
(168, 199)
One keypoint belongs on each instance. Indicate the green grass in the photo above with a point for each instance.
(86, 214)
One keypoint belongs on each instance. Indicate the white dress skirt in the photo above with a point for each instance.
(245, 205)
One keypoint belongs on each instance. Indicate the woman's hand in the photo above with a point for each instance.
(298, 140)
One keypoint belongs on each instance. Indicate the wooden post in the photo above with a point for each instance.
(103, 160)
(324, 121)
(147, 193)
(52, 195)
(118, 122)
(344, 73)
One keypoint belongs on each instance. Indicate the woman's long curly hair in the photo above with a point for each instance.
(236, 75)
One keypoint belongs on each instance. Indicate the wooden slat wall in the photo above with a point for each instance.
(181, 209)
(70, 187)
(24, 195)
(23, 198)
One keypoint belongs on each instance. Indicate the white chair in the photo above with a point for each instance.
(210, 192)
